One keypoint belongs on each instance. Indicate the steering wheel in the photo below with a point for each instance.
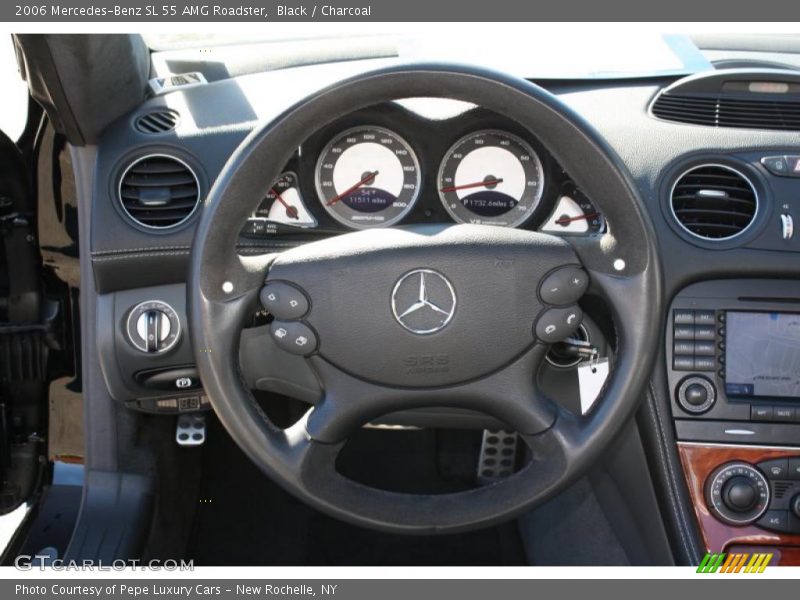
(480, 329)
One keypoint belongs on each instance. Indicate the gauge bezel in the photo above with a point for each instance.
(536, 160)
(313, 224)
(570, 191)
(344, 220)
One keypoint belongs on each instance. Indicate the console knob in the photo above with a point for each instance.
(153, 326)
(795, 506)
(696, 394)
(739, 494)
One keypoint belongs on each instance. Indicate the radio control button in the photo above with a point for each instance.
(704, 317)
(683, 317)
(684, 332)
(705, 333)
(696, 394)
(783, 413)
(760, 413)
(686, 348)
(704, 363)
(683, 363)
(704, 349)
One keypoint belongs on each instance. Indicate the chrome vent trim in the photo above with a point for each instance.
(159, 191)
(713, 202)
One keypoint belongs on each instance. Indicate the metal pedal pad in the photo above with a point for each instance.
(498, 456)
(191, 429)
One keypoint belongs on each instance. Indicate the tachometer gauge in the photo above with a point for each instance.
(491, 177)
(368, 177)
(574, 213)
(283, 204)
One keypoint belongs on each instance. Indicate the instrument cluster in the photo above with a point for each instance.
(366, 174)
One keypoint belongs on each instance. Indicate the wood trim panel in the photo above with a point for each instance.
(699, 460)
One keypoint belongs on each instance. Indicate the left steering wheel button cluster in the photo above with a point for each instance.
(557, 324)
(284, 301)
(294, 337)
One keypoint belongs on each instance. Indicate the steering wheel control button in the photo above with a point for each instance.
(294, 337)
(284, 301)
(557, 324)
(696, 395)
(153, 327)
(564, 286)
(738, 493)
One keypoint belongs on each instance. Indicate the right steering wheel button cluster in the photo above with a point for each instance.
(557, 324)
(564, 286)
(561, 288)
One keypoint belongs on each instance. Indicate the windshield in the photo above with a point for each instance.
(522, 49)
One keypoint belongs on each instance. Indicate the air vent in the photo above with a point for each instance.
(159, 191)
(781, 115)
(158, 121)
(714, 202)
(781, 487)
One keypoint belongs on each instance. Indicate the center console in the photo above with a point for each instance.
(733, 369)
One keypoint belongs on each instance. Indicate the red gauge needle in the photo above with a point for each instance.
(446, 190)
(365, 180)
(290, 210)
(565, 220)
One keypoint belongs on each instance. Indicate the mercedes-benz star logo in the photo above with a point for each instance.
(423, 301)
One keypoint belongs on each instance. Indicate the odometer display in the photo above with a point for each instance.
(367, 177)
(491, 177)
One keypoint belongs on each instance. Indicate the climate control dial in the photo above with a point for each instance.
(153, 327)
(737, 493)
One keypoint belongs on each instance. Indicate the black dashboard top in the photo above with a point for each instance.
(213, 119)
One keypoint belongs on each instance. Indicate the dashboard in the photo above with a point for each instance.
(723, 195)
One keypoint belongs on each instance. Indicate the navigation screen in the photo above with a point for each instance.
(762, 356)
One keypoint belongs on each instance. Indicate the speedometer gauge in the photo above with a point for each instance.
(367, 177)
(491, 177)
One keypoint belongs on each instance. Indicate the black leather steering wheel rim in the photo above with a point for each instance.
(223, 289)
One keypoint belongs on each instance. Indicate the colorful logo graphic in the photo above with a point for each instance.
(734, 563)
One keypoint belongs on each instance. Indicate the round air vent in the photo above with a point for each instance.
(159, 191)
(714, 202)
(157, 121)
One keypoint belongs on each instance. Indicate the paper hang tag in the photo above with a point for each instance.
(591, 378)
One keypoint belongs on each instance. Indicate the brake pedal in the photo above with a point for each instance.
(191, 430)
(498, 455)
